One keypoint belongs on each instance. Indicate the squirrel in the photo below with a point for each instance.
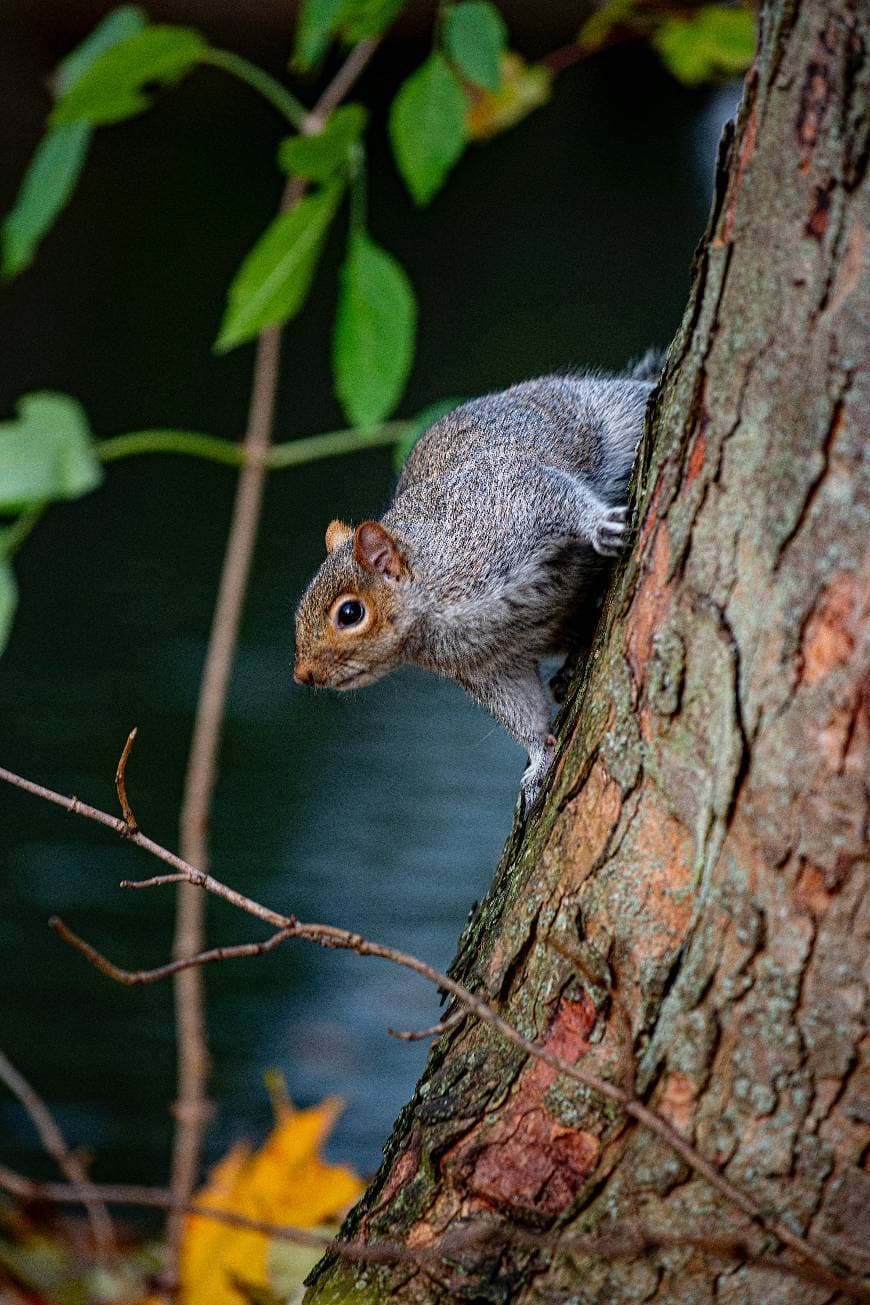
(491, 554)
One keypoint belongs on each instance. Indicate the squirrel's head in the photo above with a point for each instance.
(352, 622)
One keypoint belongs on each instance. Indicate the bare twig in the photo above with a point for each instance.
(342, 83)
(135, 978)
(417, 1035)
(633, 1243)
(155, 881)
(192, 1108)
(66, 1160)
(331, 937)
(121, 782)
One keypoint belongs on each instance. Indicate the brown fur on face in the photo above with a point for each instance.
(367, 565)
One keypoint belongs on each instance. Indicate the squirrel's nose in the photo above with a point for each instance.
(303, 672)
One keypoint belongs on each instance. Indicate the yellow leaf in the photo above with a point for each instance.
(285, 1182)
(524, 87)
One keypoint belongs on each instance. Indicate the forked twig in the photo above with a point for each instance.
(135, 978)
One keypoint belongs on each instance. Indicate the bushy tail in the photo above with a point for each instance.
(649, 367)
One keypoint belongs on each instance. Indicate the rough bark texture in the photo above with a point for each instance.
(688, 912)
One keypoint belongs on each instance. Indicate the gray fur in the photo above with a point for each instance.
(506, 512)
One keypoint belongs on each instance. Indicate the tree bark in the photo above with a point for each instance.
(686, 915)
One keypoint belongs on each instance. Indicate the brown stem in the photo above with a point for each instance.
(192, 1109)
(66, 1160)
(121, 782)
(417, 1035)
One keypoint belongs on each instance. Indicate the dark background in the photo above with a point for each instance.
(565, 242)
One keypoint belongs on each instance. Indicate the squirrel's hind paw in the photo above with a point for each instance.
(540, 760)
(612, 534)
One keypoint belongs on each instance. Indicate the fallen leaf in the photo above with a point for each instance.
(286, 1181)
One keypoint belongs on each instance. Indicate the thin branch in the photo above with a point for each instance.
(342, 83)
(634, 1243)
(331, 937)
(156, 881)
(192, 1110)
(417, 1035)
(121, 783)
(66, 1160)
(136, 978)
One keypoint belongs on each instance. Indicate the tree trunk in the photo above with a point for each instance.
(685, 915)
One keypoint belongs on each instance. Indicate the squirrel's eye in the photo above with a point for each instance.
(351, 612)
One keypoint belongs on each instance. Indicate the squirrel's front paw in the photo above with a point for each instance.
(540, 760)
(612, 534)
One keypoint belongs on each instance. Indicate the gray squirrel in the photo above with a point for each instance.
(491, 554)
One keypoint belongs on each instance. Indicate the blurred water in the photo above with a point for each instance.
(567, 241)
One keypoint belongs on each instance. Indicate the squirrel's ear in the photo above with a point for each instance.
(337, 533)
(376, 550)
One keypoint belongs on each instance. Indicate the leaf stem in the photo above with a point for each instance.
(14, 536)
(278, 96)
(293, 453)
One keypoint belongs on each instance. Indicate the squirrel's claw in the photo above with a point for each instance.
(612, 534)
(540, 760)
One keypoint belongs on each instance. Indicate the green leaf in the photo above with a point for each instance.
(425, 418)
(113, 87)
(48, 183)
(427, 127)
(273, 281)
(117, 25)
(714, 41)
(59, 158)
(475, 36)
(362, 20)
(315, 25)
(317, 157)
(373, 341)
(8, 601)
(46, 453)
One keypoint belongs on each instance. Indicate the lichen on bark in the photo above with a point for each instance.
(686, 914)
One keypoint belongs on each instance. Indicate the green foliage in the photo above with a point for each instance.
(360, 20)
(427, 127)
(113, 88)
(373, 341)
(56, 166)
(353, 20)
(712, 42)
(46, 453)
(317, 157)
(273, 281)
(314, 27)
(421, 423)
(117, 25)
(475, 37)
(45, 191)
(697, 46)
